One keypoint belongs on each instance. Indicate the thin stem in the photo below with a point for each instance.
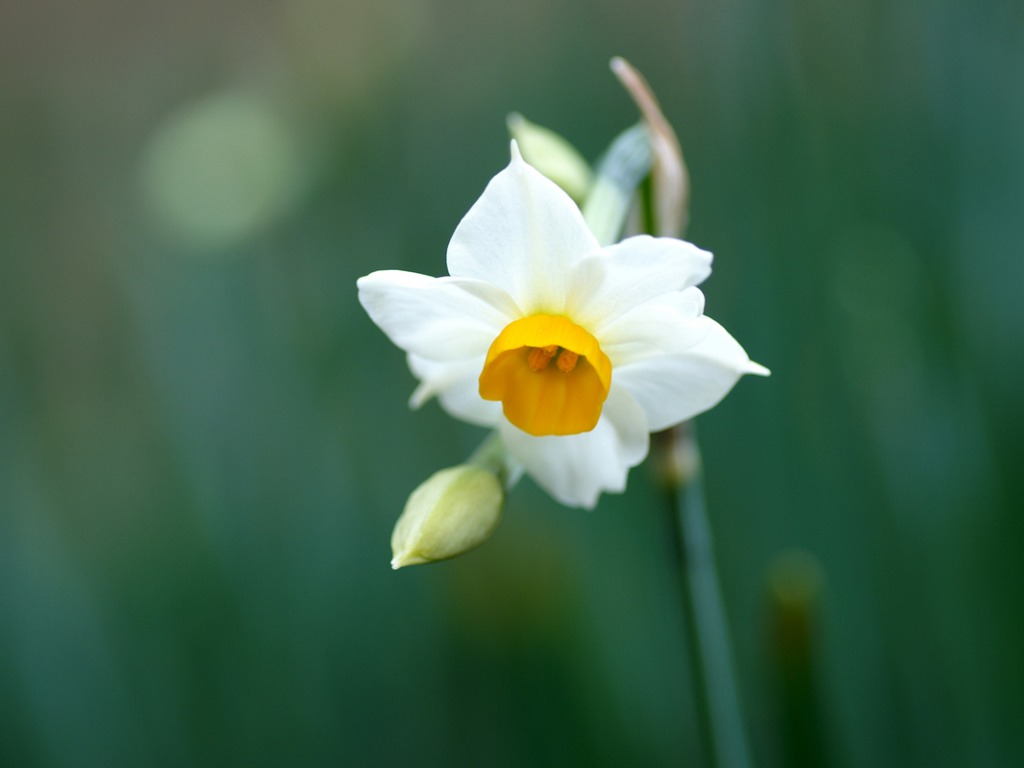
(718, 707)
(491, 455)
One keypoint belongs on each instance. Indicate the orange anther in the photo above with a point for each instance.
(567, 361)
(539, 357)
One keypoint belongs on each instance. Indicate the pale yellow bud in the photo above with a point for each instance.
(552, 155)
(453, 511)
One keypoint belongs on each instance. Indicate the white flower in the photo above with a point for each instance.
(574, 352)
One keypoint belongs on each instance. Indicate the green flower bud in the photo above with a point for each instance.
(453, 511)
(552, 155)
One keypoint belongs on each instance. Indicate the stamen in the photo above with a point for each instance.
(539, 357)
(567, 361)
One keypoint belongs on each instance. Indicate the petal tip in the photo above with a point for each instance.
(420, 395)
(757, 369)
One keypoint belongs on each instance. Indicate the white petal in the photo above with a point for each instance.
(664, 325)
(634, 271)
(523, 235)
(456, 386)
(441, 318)
(673, 388)
(576, 469)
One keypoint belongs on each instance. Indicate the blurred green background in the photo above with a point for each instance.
(204, 442)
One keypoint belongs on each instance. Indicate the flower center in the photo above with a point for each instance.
(540, 398)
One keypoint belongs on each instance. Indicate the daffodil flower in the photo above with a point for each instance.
(574, 352)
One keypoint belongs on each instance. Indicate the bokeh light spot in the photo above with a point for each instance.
(221, 170)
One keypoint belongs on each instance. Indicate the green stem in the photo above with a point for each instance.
(718, 707)
(491, 455)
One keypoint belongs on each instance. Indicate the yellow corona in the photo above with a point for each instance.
(549, 374)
